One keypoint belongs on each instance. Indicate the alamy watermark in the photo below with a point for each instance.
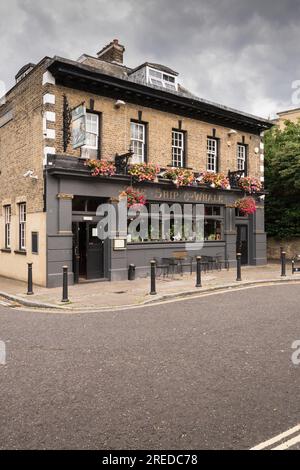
(296, 93)
(296, 354)
(153, 222)
(2, 353)
(2, 93)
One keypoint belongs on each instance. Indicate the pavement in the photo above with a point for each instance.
(212, 372)
(123, 294)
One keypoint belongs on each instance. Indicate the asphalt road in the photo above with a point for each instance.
(207, 373)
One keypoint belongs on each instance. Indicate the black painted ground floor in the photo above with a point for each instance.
(73, 196)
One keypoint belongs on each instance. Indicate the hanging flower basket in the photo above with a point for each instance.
(134, 197)
(102, 167)
(250, 185)
(246, 205)
(180, 177)
(144, 171)
(214, 180)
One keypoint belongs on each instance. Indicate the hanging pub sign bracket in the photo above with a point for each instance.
(67, 121)
(121, 162)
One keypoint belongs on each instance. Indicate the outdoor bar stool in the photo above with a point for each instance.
(172, 263)
(163, 267)
(204, 264)
(222, 262)
(184, 260)
(209, 261)
(187, 262)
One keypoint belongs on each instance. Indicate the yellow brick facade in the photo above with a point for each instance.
(292, 115)
(21, 150)
(23, 145)
(115, 134)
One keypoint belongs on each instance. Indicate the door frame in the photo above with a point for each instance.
(76, 220)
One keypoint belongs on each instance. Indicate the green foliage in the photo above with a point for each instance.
(282, 175)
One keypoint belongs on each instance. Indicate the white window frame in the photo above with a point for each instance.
(212, 154)
(241, 157)
(162, 79)
(7, 219)
(177, 149)
(22, 226)
(137, 142)
(91, 151)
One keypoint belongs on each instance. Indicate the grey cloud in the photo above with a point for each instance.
(237, 52)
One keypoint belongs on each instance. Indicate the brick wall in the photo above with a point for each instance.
(115, 134)
(21, 149)
(21, 144)
(290, 246)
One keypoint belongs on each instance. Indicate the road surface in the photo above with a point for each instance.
(206, 373)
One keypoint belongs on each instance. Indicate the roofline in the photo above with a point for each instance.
(151, 65)
(118, 64)
(288, 111)
(84, 76)
(26, 77)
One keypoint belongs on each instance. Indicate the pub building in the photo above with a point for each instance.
(101, 121)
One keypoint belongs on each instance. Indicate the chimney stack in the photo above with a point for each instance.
(113, 52)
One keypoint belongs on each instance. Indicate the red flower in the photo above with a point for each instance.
(134, 197)
(246, 205)
(102, 167)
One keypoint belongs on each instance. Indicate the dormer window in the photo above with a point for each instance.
(162, 79)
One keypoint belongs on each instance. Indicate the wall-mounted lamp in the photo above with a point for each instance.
(30, 174)
(119, 104)
(232, 132)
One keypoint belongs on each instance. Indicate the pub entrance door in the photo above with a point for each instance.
(242, 242)
(88, 252)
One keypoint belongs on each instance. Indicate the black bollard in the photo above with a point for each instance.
(238, 266)
(283, 263)
(198, 271)
(281, 250)
(131, 272)
(29, 287)
(153, 278)
(65, 297)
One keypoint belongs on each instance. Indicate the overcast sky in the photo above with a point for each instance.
(241, 53)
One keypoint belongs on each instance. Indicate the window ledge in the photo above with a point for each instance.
(5, 250)
(20, 252)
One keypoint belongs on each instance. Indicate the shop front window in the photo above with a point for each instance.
(175, 230)
(213, 223)
(212, 230)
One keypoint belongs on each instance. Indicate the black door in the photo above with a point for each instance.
(76, 252)
(242, 242)
(94, 253)
(88, 252)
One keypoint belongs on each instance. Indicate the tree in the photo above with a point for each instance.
(282, 173)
